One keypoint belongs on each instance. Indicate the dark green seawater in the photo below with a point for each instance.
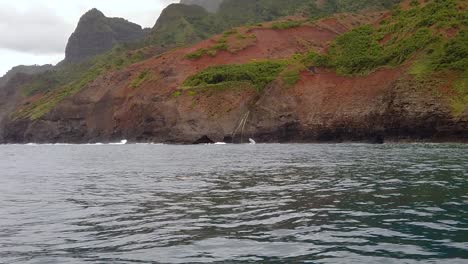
(346, 203)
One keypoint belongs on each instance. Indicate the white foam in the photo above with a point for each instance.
(122, 142)
(47, 144)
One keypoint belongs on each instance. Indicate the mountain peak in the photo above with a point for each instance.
(94, 13)
(96, 34)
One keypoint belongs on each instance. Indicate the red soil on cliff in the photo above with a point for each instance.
(121, 105)
(321, 94)
(328, 93)
(169, 70)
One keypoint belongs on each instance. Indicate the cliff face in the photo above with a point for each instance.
(210, 5)
(369, 77)
(10, 84)
(96, 34)
(146, 102)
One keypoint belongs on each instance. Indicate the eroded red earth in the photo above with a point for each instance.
(322, 106)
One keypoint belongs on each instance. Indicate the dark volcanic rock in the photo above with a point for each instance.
(96, 34)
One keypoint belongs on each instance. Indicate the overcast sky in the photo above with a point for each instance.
(36, 31)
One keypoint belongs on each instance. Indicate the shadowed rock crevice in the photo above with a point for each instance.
(204, 140)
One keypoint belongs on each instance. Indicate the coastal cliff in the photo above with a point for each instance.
(365, 77)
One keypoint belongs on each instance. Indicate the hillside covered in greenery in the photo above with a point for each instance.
(178, 25)
(437, 31)
(432, 37)
(182, 24)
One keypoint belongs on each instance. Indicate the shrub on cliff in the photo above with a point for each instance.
(355, 52)
(258, 74)
(286, 24)
(455, 53)
(401, 36)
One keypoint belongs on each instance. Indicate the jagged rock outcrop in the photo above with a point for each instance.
(210, 5)
(96, 34)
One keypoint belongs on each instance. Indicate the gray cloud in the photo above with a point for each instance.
(42, 27)
(37, 30)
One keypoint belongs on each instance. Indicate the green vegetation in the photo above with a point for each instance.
(355, 52)
(359, 52)
(212, 51)
(240, 12)
(257, 74)
(420, 33)
(291, 77)
(433, 35)
(176, 94)
(286, 24)
(460, 102)
(192, 93)
(221, 44)
(141, 78)
(182, 24)
(178, 25)
(311, 58)
(50, 99)
(406, 33)
(339, 6)
(299, 63)
(196, 54)
(414, 3)
(229, 32)
(67, 80)
(116, 59)
(454, 54)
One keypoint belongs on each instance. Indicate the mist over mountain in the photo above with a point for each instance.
(210, 5)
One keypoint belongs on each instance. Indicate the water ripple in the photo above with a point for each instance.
(343, 203)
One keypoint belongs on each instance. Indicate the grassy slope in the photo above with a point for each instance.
(423, 29)
(178, 25)
(57, 84)
(434, 34)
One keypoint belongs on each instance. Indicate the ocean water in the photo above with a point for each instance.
(344, 203)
